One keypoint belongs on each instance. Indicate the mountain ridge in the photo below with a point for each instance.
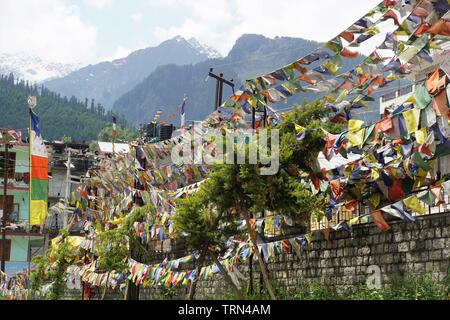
(251, 56)
(106, 81)
(32, 68)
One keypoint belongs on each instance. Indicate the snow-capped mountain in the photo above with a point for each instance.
(209, 51)
(106, 81)
(33, 68)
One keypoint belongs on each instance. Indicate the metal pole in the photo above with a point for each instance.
(253, 118)
(69, 159)
(5, 191)
(216, 103)
(265, 117)
(220, 91)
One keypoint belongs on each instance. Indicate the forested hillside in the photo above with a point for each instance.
(60, 116)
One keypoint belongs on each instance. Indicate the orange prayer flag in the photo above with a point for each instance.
(441, 27)
(299, 67)
(392, 15)
(379, 221)
(303, 61)
(363, 79)
(422, 29)
(440, 104)
(432, 82)
(351, 205)
(306, 79)
(376, 130)
(336, 188)
(348, 36)
(285, 246)
(385, 125)
(377, 81)
(326, 234)
(349, 54)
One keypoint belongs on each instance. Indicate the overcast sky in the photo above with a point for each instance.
(88, 31)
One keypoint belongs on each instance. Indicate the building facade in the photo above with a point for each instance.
(21, 242)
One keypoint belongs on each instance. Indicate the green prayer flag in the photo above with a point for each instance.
(423, 98)
(418, 161)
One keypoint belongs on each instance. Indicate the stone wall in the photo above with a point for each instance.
(406, 249)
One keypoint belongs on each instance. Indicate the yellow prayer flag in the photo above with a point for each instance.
(375, 200)
(421, 136)
(411, 121)
(414, 204)
(354, 125)
(355, 138)
(299, 129)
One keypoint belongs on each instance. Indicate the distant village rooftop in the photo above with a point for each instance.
(107, 148)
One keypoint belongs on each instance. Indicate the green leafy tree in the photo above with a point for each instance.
(239, 190)
(123, 134)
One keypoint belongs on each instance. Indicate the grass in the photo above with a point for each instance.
(422, 287)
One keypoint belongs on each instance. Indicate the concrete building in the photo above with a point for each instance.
(21, 242)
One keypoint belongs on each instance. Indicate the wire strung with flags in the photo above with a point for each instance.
(181, 108)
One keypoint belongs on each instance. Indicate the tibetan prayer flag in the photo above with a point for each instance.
(349, 54)
(421, 135)
(301, 132)
(422, 97)
(432, 83)
(183, 113)
(39, 174)
(397, 210)
(380, 221)
(441, 27)
(354, 125)
(347, 36)
(355, 138)
(411, 121)
(440, 104)
(395, 190)
(114, 122)
(413, 203)
(419, 162)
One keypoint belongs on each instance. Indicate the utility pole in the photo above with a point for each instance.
(5, 204)
(219, 87)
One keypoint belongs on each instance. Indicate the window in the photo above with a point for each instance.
(406, 90)
(9, 205)
(11, 167)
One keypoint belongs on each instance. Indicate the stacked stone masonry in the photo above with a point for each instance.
(406, 249)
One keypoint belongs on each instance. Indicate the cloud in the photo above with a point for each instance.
(221, 24)
(137, 17)
(49, 29)
(98, 4)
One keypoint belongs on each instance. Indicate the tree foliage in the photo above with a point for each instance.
(124, 134)
(236, 188)
(59, 116)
